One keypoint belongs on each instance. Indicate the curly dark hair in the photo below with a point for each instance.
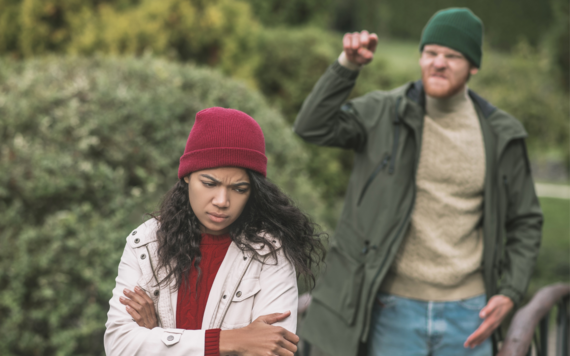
(267, 210)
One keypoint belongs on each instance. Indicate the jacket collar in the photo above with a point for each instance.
(146, 233)
(504, 126)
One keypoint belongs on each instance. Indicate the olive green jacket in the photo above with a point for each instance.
(385, 131)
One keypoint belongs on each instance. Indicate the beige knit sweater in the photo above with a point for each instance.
(440, 257)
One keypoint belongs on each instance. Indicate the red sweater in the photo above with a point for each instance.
(192, 297)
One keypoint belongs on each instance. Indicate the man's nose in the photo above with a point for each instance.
(440, 61)
(221, 199)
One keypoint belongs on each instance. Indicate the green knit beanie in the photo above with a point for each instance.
(456, 28)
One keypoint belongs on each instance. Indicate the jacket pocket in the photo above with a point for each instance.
(378, 169)
(340, 286)
(239, 311)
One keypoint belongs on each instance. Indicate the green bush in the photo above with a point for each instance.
(87, 147)
(214, 32)
(293, 12)
(520, 83)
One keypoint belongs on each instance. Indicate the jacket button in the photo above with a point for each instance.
(224, 296)
(143, 256)
(238, 294)
(156, 293)
(137, 240)
(134, 233)
(170, 338)
(244, 258)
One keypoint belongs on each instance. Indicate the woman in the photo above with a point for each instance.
(214, 272)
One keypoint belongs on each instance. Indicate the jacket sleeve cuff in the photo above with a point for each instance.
(514, 295)
(344, 72)
(212, 342)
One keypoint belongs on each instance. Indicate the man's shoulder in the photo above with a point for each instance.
(502, 122)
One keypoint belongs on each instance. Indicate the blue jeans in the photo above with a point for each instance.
(402, 326)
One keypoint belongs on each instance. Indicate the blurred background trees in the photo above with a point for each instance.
(97, 95)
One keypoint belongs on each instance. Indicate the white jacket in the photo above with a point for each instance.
(243, 290)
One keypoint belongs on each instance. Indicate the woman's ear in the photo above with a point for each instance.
(187, 179)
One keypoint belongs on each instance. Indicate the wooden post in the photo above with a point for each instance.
(521, 331)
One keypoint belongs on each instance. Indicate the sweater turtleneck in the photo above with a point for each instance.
(437, 108)
(440, 257)
(194, 292)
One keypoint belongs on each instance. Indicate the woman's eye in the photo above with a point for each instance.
(241, 190)
(209, 184)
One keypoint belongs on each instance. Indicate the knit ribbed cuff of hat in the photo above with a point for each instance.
(222, 157)
(468, 46)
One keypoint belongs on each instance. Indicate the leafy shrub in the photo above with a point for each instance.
(293, 12)
(520, 83)
(87, 147)
(214, 32)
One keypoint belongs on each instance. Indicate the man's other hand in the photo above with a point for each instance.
(359, 47)
(494, 312)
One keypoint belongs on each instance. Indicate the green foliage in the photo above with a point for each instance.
(293, 61)
(558, 42)
(521, 84)
(215, 32)
(553, 265)
(293, 12)
(87, 147)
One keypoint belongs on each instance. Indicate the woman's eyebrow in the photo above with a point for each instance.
(239, 183)
(210, 177)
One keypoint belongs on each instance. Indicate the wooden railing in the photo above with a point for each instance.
(537, 313)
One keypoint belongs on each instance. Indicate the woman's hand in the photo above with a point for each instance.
(260, 338)
(140, 307)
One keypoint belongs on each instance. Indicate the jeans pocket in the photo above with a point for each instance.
(385, 301)
(475, 303)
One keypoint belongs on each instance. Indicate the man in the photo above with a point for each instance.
(441, 224)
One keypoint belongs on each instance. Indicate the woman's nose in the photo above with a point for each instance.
(221, 199)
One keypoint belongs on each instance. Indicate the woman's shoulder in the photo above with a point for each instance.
(263, 248)
(144, 234)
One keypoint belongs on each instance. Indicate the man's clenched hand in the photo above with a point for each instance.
(359, 47)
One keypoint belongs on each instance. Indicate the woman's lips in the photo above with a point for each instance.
(217, 217)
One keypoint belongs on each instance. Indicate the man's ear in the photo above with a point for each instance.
(473, 70)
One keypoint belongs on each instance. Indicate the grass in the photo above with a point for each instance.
(553, 264)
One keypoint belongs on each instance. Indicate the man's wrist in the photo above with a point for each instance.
(343, 60)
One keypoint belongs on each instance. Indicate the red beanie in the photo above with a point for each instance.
(223, 138)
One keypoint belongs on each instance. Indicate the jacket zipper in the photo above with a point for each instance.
(378, 169)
